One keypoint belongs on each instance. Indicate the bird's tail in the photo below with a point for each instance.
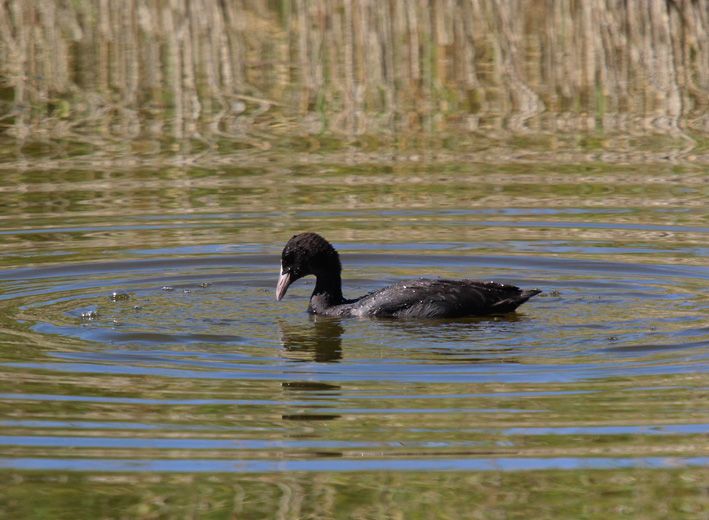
(510, 304)
(527, 294)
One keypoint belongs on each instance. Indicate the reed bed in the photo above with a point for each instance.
(251, 73)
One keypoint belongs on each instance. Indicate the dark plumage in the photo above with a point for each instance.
(309, 253)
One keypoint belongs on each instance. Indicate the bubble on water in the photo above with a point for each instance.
(89, 315)
(119, 296)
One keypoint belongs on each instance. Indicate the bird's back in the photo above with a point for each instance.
(426, 298)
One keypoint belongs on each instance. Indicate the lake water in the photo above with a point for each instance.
(156, 156)
(147, 370)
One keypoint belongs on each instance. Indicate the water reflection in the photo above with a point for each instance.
(471, 340)
(313, 393)
(319, 70)
(319, 340)
(460, 140)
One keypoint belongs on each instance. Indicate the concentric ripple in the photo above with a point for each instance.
(193, 355)
(142, 344)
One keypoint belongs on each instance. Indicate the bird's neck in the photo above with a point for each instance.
(327, 292)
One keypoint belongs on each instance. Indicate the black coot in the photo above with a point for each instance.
(309, 253)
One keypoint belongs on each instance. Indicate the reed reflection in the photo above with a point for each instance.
(343, 68)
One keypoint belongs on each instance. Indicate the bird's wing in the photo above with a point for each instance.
(442, 298)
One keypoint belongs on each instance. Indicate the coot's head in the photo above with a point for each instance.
(304, 254)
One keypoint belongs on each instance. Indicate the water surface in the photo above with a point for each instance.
(142, 348)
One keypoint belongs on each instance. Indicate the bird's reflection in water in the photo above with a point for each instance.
(461, 340)
(318, 340)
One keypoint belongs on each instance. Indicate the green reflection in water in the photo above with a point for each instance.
(550, 494)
